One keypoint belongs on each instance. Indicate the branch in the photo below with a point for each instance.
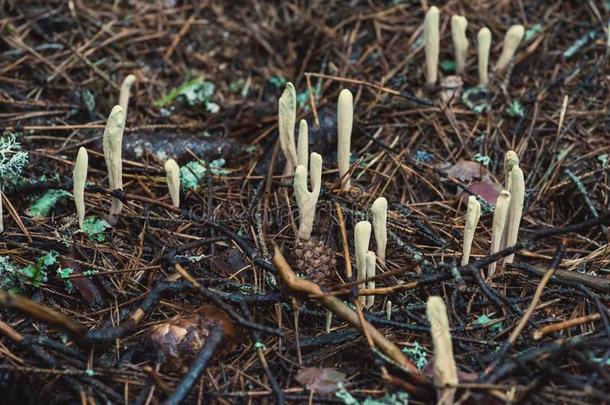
(347, 314)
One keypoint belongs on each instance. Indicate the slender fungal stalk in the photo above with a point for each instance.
(473, 212)
(303, 145)
(79, 178)
(510, 160)
(388, 310)
(287, 113)
(515, 209)
(432, 44)
(345, 120)
(172, 175)
(362, 236)
(307, 200)
(460, 42)
(125, 94)
(483, 47)
(512, 39)
(380, 218)
(112, 142)
(445, 370)
(499, 221)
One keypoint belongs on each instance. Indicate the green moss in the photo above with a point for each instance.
(447, 65)
(237, 86)
(197, 91)
(484, 320)
(94, 228)
(475, 98)
(13, 278)
(192, 173)
(43, 206)
(532, 32)
(12, 159)
(64, 274)
(417, 354)
(515, 109)
(277, 81)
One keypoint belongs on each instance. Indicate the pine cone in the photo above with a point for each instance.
(181, 338)
(314, 261)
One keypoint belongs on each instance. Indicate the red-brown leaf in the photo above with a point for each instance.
(488, 192)
(321, 380)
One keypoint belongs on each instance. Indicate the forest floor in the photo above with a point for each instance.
(81, 308)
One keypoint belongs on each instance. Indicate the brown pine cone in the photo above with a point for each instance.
(314, 261)
(181, 338)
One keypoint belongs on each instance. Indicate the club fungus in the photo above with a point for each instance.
(512, 39)
(329, 321)
(380, 218)
(307, 200)
(112, 141)
(345, 120)
(483, 47)
(125, 94)
(515, 209)
(388, 310)
(460, 42)
(445, 370)
(362, 236)
(79, 178)
(510, 160)
(371, 268)
(499, 221)
(172, 175)
(287, 112)
(473, 212)
(432, 44)
(312, 259)
(303, 145)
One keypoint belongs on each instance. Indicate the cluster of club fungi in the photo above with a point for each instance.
(182, 337)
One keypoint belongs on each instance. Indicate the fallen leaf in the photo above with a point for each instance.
(465, 170)
(321, 380)
(230, 262)
(488, 192)
(86, 287)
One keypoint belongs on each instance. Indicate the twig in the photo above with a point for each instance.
(40, 312)
(346, 256)
(559, 326)
(344, 312)
(372, 85)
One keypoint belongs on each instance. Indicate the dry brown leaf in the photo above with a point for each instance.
(465, 170)
(321, 380)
